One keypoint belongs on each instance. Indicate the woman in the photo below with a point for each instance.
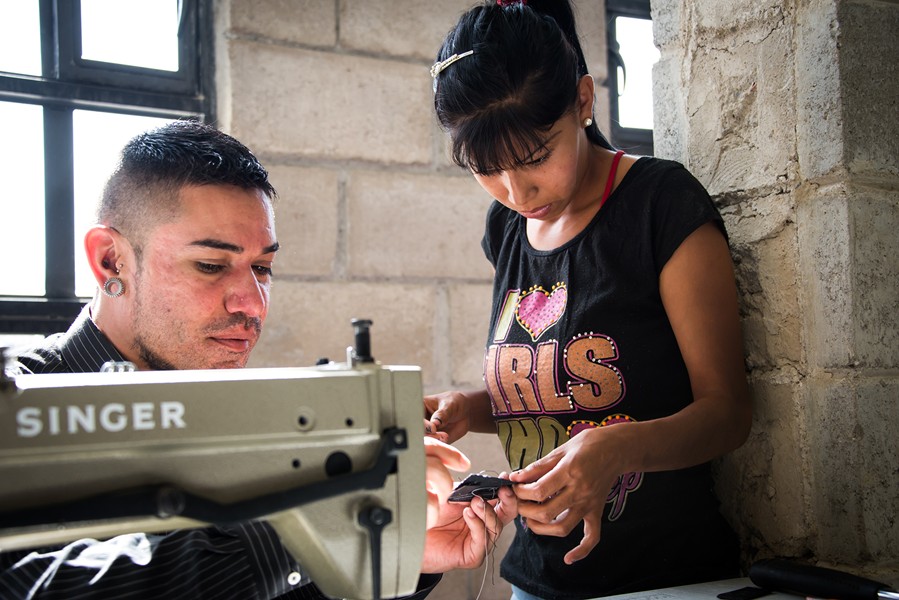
(614, 368)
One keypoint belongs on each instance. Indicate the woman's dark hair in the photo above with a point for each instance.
(498, 103)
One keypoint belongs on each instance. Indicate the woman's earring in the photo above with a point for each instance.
(114, 287)
(588, 122)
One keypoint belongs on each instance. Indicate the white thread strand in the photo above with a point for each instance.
(487, 553)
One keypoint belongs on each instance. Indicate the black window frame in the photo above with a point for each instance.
(631, 139)
(69, 82)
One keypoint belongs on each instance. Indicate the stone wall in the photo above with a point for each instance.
(785, 110)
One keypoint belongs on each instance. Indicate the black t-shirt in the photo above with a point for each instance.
(579, 338)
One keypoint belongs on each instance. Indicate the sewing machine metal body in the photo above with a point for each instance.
(322, 453)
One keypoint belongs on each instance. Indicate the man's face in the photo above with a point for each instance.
(202, 286)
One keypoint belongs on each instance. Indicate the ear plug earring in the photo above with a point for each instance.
(114, 287)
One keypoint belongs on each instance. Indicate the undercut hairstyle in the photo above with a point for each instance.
(499, 103)
(144, 190)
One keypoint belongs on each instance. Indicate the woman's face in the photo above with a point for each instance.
(544, 187)
(556, 179)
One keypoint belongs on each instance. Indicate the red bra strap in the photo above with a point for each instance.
(611, 180)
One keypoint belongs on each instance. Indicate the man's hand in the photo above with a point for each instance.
(459, 535)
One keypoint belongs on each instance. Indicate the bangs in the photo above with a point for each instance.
(498, 139)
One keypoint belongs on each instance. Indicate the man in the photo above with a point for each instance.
(183, 257)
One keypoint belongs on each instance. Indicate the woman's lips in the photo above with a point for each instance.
(538, 213)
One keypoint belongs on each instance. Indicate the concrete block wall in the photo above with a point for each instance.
(374, 220)
(787, 110)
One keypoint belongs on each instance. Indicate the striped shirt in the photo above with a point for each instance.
(245, 561)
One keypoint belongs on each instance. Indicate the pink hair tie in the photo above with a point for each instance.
(511, 2)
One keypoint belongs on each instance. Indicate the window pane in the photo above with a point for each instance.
(639, 54)
(22, 200)
(15, 340)
(98, 139)
(141, 33)
(20, 37)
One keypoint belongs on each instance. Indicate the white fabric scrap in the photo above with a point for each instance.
(94, 555)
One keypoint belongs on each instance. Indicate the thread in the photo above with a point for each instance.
(488, 555)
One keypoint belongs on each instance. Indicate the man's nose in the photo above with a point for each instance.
(246, 294)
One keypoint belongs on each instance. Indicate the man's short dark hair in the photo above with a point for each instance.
(143, 191)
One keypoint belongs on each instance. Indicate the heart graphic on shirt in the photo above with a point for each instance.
(538, 310)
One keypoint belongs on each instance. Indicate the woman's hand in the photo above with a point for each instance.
(569, 485)
(459, 535)
(447, 416)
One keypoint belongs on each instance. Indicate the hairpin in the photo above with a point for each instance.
(443, 64)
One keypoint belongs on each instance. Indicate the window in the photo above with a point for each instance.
(78, 78)
(632, 54)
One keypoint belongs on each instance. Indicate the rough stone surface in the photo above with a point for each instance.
(669, 114)
(311, 320)
(836, 460)
(762, 485)
(819, 102)
(825, 264)
(848, 233)
(879, 469)
(398, 29)
(329, 106)
(875, 223)
(306, 220)
(872, 136)
(740, 116)
(469, 312)
(426, 226)
(308, 22)
(771, 310)
(782, 109)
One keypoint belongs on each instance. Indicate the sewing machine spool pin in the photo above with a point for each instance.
(362, 351)
(361, 329)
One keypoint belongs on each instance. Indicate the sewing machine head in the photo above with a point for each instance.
(331, 456)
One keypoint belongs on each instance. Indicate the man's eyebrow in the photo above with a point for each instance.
(218, 245)
(229, 247)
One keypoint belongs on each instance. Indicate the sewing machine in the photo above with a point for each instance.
(331, 456)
